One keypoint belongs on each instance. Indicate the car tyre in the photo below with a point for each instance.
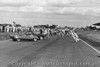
(35, 40)
(18, 40)
(13, 40)
(41, 38)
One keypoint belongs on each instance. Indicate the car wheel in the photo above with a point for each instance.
(18, 40)
(41, 38)
(35, 40)
(13, 40)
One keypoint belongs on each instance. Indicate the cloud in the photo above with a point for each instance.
(13, 1)
(52, 6)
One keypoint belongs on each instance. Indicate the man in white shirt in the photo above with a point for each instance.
(74, 35)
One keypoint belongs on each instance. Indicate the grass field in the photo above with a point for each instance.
(4, 36)
(94, 35)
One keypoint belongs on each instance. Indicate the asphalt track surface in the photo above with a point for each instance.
(52, 52)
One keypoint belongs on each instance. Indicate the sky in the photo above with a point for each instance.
(75, 13)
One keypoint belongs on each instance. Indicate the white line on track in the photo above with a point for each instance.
(90, 46)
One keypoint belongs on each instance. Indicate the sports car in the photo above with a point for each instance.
(25, 36)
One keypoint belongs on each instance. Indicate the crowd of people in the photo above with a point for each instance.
(62, 32)
(43, 30)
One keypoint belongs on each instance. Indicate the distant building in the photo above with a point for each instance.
(5, 27)
(10, 27)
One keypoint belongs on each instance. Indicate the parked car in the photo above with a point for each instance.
(25, 36)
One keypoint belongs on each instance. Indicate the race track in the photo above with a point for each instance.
(52, 52)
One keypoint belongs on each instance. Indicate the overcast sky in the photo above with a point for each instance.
(61, 12)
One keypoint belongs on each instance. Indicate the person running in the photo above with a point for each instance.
(75, 36)
(61, 33)
(41, 31)
(66, 31)
(46, 32)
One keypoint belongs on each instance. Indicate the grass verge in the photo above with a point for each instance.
(4, 36)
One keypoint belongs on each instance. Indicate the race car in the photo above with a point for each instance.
(25, 36)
